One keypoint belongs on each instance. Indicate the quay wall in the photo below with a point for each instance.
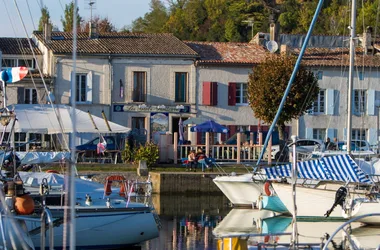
(184, 183)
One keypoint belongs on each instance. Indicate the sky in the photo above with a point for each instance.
(119, 12)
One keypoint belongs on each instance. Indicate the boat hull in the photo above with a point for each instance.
(311, 202)
(103, 229)
(241, 190)
(362, 207)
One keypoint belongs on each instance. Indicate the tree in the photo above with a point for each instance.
(267, 84)
(45, 18)
(103, 24)
(154, 21)
(68, 21)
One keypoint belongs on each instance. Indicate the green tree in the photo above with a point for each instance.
(68, 20)
(289, 17)
(153, 21)
(45, 18)
(267, 84)
(367, 16)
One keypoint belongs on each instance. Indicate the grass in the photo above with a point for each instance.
(101, 167)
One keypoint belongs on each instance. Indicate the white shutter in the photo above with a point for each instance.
(309, 133)
(344, 134)
(330, 102)
(331, 133)
(89, 87)
(372, 136)
(371, 109)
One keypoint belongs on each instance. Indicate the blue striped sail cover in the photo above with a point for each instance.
(333, 168)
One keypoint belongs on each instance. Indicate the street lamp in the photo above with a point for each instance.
(377, 104)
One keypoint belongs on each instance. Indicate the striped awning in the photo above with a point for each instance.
(334, 168)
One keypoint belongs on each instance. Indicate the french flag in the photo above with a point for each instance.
(13, 74)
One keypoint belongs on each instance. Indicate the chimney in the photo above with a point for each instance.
(93, 31)
(47, 32)
(258, 39)
(284, 49)
(367, 41)
(273, 32)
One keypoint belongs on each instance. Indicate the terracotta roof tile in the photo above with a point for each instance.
(228, 53)
(118, 43)
(17, 46)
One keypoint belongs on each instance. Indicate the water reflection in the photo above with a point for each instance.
(195, 222)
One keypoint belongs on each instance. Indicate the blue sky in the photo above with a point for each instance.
(119, 12)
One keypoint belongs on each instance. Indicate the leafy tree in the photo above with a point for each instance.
(68, 21)
(103, 25)
(335, 18)
(289, 18)
(154, 21)
(367, 16)
(45, 18)
(267, 84)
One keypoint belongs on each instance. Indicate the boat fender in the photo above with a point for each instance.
(24, 205)
(267, 189)
(52, 171)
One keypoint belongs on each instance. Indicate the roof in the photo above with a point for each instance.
(118, 43)
(228, 53)
(17, 46)
(337, 57)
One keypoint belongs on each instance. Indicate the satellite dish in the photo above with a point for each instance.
(272, 46)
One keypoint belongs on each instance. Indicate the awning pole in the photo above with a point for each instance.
(105, 119)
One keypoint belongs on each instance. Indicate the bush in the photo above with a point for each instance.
(148, 153)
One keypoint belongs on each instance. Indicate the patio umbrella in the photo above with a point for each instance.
(195, 120)
(180, 132)
(209, 126)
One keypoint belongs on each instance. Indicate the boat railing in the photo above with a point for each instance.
(342, 228)
(46, 218)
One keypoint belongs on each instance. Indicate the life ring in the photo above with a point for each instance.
(267, 189)
(52, 171)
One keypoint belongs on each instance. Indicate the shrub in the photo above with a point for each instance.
(148, 153)
(127, 153)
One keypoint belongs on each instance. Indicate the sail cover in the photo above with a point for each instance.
(334, 168)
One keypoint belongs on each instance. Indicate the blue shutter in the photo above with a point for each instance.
(371, 109)
(330, 102)
(309, 133)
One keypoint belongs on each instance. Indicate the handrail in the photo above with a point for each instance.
(46, 215)
(345, 224)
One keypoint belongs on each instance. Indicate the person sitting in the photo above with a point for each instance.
(191, 160)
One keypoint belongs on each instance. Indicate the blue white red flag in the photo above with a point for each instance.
(13, 74)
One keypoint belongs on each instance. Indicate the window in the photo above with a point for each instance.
(360, 101)
(361, 75)
(8, 63)
(139, 86)
(81, 87)
(35, 140)
(320, 75)
(138, 123)
(210, 93)
(319, 103)
(30, 96)
(180, 87)
(20, 141)
(241, 93)
(358, 134)
(319, 133)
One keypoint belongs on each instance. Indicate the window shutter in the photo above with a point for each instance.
(372, 136)
(344, 134)
(371, 109)
(89, 87)
(330, 102)
(210, 93)
(331, 133)
(199, 138)
(231, 94)
(309, 133)
(20, 95)
(72, 78)
(206, 100)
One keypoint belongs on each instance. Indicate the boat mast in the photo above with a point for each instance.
(73, 133)
(351, 74)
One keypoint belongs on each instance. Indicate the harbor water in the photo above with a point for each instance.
(194, 222)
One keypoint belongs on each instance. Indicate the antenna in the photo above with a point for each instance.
(250, 22)
(272, 46)
(90, 4)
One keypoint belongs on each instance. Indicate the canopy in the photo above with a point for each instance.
(334, 168)
(195, 120)
(43, 119)
(209, 126)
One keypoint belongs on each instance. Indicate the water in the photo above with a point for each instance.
(190, 222)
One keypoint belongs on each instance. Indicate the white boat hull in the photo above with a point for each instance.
(311, 202)
(241, 190)
(362, 207)
(104, 230)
